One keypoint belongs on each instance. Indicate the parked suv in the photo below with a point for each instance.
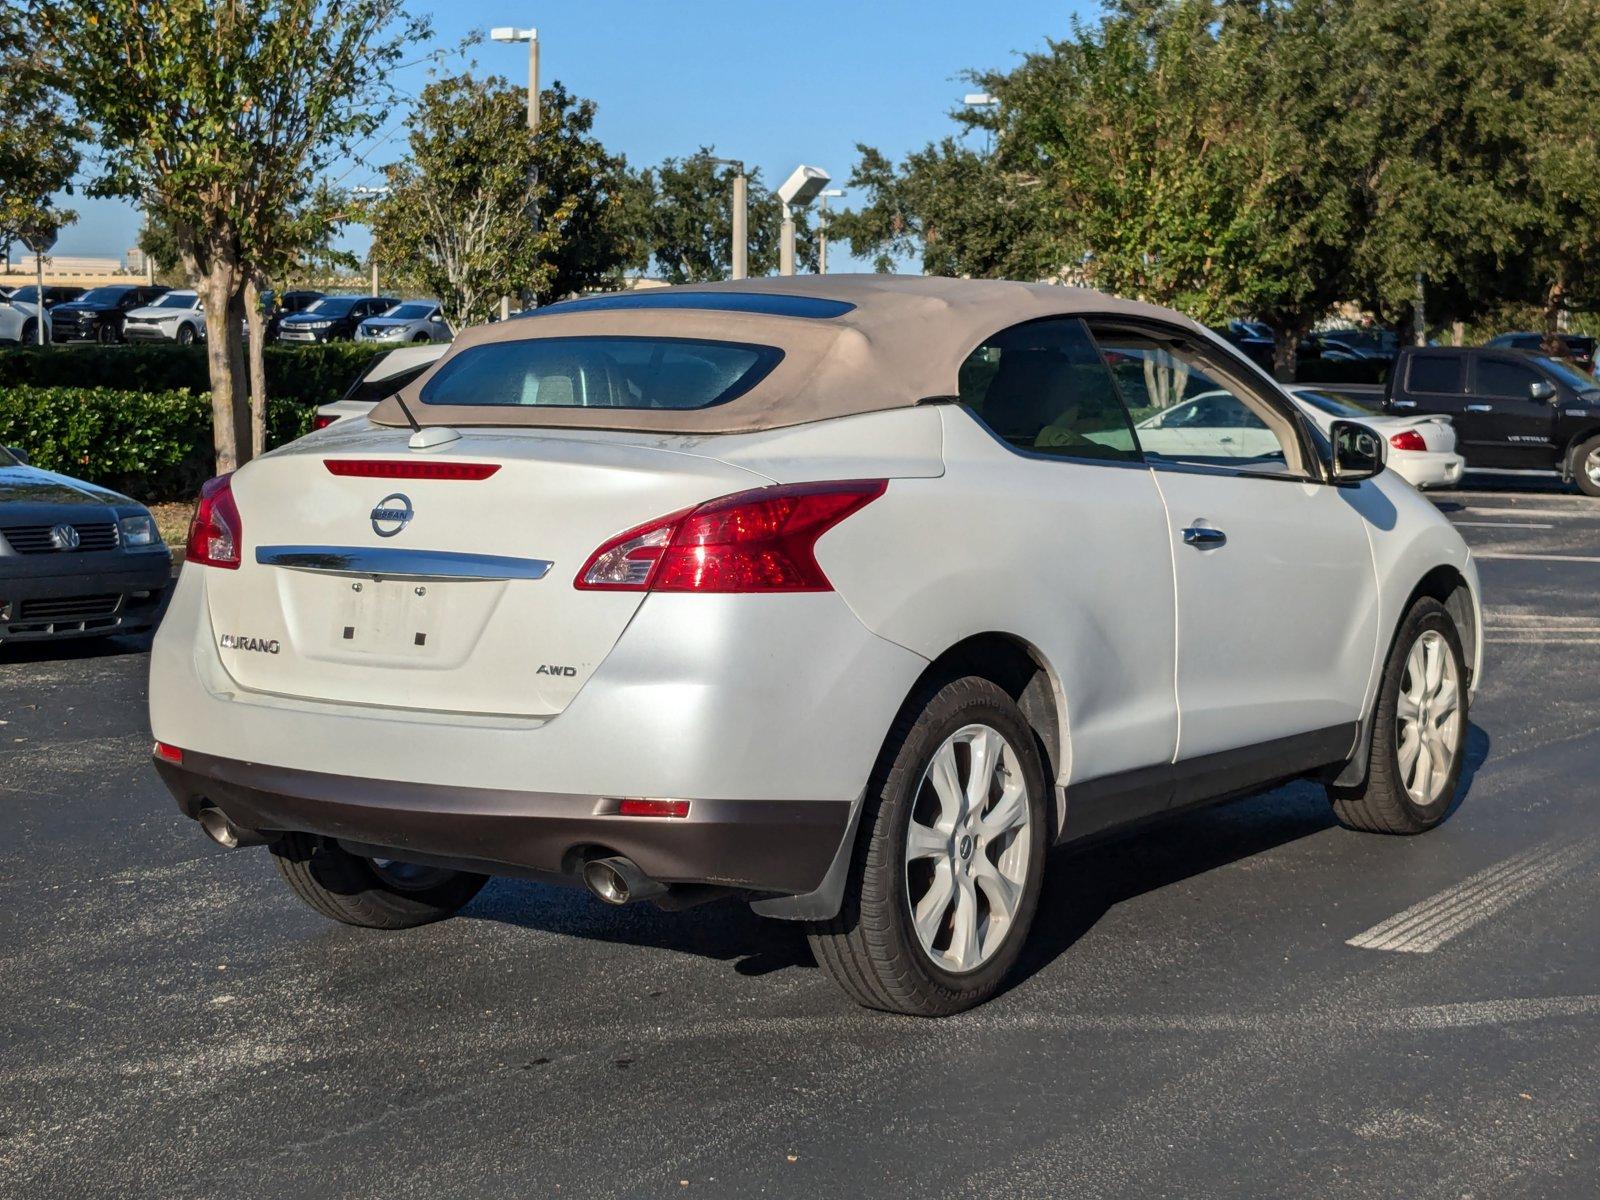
(332, 318)
(1510, 409)
(98, 315)
(849, 595)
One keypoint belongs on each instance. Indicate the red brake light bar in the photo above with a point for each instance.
(387, 468)
(653, 808)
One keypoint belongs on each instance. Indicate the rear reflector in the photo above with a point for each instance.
(323, 420)
(653, 808)
(168, 753)
(382, 468)
(758, 541)
(1408, 439)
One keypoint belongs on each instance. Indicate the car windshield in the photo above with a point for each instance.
(409, 312)
(25, 294)
(332, 306)
(1575, 378)
(1334, 405)
(176, 300)
(601, 372)
(103, 295)
(1383, 340)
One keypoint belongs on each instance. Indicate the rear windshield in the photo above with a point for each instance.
(601, 372)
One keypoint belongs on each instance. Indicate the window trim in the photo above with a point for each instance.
(1238, 373)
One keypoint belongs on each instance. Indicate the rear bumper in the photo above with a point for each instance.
(123, 597)
(1429, 470)
(776, 846)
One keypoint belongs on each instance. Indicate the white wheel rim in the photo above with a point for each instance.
(1428, 718)
(1591, 467)
(967, 848)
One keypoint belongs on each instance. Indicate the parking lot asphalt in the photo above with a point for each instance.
(1245, 1001)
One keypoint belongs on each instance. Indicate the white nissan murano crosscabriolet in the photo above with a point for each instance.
(850, 595)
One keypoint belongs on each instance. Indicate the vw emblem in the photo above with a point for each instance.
(64, 537)
(392, 514)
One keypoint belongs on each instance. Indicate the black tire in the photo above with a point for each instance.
(30, 333)
(420, 338)
(358, 891)
(186, 334)
(106, 334)
(1382, 803)
(871, 949)
(1588, 484)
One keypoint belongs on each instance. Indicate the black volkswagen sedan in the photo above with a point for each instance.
(76, 560)
(98, 315)
(332, 318)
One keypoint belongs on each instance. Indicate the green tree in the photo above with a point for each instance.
(952, 207)
(481, 208)
(683, 212)
(217, 113)
(38, 133)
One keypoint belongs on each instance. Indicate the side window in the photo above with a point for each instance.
(1438, 373)
(1502, 377)
(1043, 387)
(1188, 407)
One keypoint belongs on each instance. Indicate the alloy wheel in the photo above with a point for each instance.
(1428, 718)
(967, 848)
(1591, 466)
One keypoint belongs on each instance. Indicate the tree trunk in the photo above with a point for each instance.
(225, 356)
(1555, 299)
(256, 345)
(1458, 333)
(1286, 349)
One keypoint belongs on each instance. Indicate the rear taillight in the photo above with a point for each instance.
(322, 421)
(1407, 439)
(758, 541)
(168, 753)
(215, 533)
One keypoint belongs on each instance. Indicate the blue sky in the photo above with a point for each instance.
(775, 84)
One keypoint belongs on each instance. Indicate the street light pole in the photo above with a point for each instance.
(739, 251)
(799, 190)
(822, 226)
(511, 34)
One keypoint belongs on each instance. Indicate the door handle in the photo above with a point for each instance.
(1402, 404)
(1480, 408)
(1203, 536)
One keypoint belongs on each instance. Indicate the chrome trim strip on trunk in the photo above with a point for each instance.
(385, 562)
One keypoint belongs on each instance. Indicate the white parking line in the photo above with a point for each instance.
(1429, 924)
(1474, 510)
(1500, 525)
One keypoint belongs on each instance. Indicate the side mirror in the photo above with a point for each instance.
(1543, 390)
(1358, 452)
(18, 453)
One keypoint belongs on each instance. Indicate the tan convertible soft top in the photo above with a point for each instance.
(903, 342)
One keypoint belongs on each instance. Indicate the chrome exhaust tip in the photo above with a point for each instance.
(618, 880)
(224, 832)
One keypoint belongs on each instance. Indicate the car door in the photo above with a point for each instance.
(1507, 426)
(1276, 590)
(1074, 526)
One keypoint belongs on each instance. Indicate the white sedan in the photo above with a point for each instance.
(1421, 449)
(849, 595)
(19, 322)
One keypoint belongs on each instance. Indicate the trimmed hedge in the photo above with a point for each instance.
(311, 374)
(153, 446)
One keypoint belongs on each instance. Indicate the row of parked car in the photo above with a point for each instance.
(140, 312)
(1256, 340)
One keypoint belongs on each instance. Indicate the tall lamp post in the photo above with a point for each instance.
(739, 251)
(511, 35)
(799, 190)
(822, 226)
(369, 195)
